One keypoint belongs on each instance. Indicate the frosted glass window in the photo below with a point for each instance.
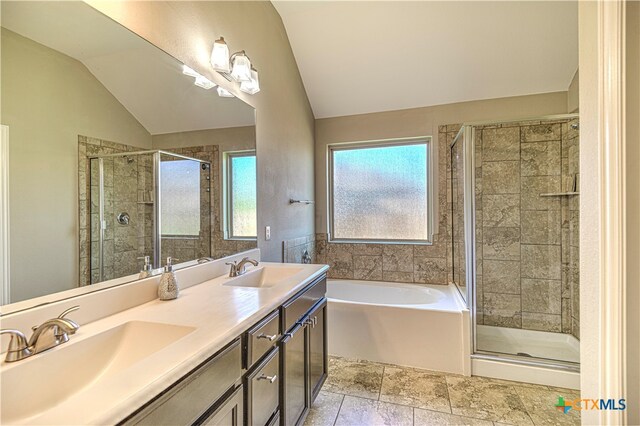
(180, 197)
(380, 192)
(241, 189)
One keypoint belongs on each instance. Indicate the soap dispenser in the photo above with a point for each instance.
(168, 288)
(146, 270)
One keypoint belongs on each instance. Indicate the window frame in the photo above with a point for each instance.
(227, 205)
(421, 140)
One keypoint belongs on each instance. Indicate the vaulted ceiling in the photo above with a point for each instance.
(145, 80)
(366, 56)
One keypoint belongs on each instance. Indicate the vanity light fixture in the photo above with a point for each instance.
(220, 56)
(236, 67)
(253, 85)
(224, 93)
(204, 82)
(240, 67)
(201, 81)
(189, 71)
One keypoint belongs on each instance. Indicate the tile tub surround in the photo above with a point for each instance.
(527, 255)
(403, 263)
(215, 326)
(363, 392)
(292, 250)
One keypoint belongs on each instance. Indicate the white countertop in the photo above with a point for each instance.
(218, 314)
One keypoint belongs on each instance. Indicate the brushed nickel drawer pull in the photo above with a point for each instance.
(271, 379)
(266, 336)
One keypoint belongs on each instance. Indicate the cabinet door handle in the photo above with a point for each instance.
(271, 379)
(266, 336)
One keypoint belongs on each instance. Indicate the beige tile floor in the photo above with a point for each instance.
(367, 393)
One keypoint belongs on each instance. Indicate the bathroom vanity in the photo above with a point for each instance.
(245, 350)
(269, 375)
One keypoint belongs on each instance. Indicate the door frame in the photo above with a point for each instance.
(612, 171)
(603, 227)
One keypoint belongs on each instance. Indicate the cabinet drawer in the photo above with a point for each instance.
(261, 338)
(188, 399)
(263, 390)
(294, 309)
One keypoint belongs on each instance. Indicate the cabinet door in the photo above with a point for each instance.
(318, 356)
(262, 390)
(294, 395)
(229, 413)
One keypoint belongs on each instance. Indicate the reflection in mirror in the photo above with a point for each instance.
(114, 154)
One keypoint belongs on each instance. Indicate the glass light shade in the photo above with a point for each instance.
(241, 70)
(220, 56)
(252, 86)
(204, 82)
(224, 93)
(189, 71)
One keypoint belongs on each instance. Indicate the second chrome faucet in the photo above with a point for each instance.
(239, 268)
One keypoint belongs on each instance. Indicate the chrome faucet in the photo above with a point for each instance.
(239, 268)
(47, 335)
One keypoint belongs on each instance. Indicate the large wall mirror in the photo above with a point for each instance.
(114, 154)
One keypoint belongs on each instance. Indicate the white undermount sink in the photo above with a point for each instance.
(263, 276)
(38, 383)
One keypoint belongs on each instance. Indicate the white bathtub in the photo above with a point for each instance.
(424, 326)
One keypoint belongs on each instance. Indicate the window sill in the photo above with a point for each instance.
(383, 242)
(242, 239)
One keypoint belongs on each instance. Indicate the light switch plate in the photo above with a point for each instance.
(267, 233)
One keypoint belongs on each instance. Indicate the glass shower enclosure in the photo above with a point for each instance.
(147, 203)
(514, 199)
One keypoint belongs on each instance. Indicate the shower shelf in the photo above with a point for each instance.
(559, 194)
(145, 202)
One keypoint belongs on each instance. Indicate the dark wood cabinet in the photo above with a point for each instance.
(318, 355)
(304, 362)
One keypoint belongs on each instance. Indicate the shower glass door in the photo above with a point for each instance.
(121, 214)
(525, 184)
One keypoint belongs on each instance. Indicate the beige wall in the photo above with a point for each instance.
(419, 122)
(48, 99)
(231, 138)
(573, 94)
(284, 119)
(633, 214)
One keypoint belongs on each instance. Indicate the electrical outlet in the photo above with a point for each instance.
(267, 233)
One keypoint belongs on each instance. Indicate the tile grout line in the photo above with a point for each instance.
(446, 382)
(381, 382)
(338, 412)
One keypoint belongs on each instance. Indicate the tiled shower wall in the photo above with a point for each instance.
(527, 251)
(122, 244)
(132, 193)
(410, 263)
